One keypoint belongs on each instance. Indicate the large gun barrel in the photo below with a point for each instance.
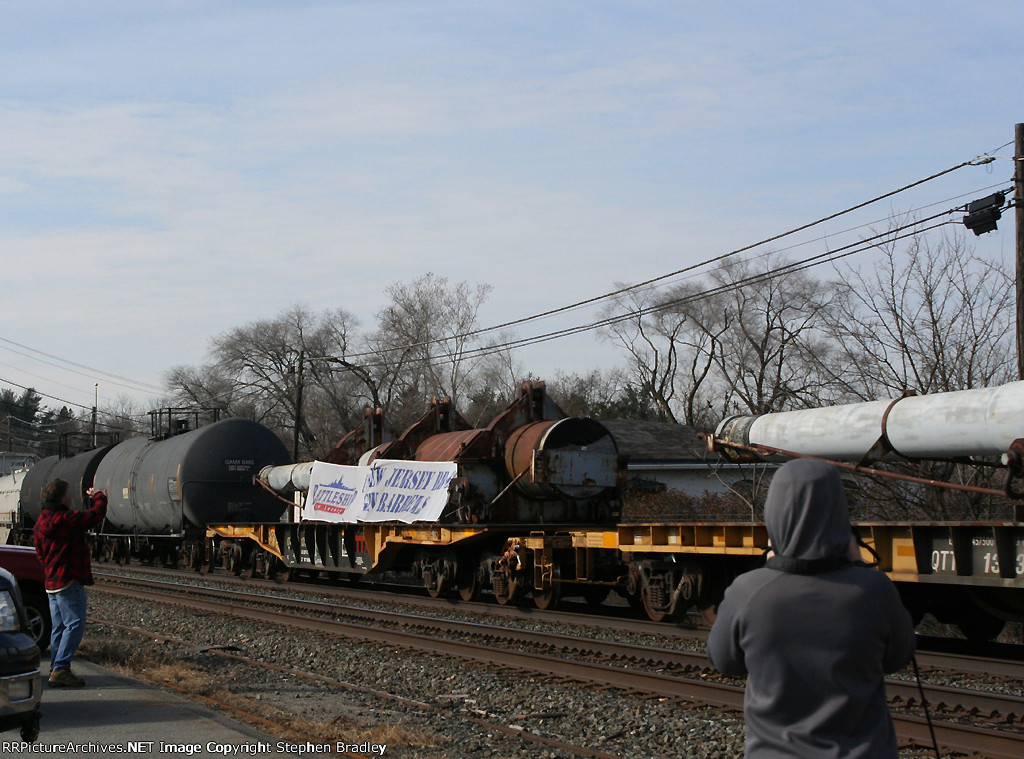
(982, 422)
(286, 479)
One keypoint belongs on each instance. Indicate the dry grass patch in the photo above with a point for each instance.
(168, 665)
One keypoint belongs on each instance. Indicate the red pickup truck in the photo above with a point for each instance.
(22, 562)
(21, 681)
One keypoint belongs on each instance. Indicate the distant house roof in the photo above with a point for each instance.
(657, 441)
(12, 461)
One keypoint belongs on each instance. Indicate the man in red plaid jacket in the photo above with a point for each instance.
(62, 548)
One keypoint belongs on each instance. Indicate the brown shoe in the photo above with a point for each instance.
(65, 678)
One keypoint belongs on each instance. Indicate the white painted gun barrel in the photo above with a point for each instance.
(287, 478)
(963, 423)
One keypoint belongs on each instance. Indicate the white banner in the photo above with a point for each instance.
(401, 491)
(335, 492)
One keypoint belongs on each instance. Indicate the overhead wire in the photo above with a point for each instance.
(48, 380)
(836, 254)
(977, 161)
(92, 372)
(896, 233)
(787, 268)
(866, 225)
(485, 350)
(69, 403)
(45, 395)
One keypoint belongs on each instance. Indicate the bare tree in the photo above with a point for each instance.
(284, 373)
(309, 376)
(607, 394)
(669, 357)
(745, 334)
(932, 317)
(496, 383)
(423, 343)
(123, 417)
(206, 386)
(764, 319)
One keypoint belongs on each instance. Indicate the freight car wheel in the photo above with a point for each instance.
(506, 587)
(232, 557)
(259, 565)
(655, 613)
(470, 593)
(438, 572)
(194, 556)
(275, 568)
(549, 597)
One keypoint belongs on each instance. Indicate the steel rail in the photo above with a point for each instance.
(975, 664)
(942, 697)
(604, 648)
(603, 674)
(952, 735)
(415, 595)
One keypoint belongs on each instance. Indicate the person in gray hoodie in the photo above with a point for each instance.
(815, 630)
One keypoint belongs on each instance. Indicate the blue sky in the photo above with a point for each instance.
(169, 171)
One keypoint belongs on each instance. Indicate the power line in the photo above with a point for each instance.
(896, 233)
(977, 161)
(913, 227)
(485, 350)
(68, 403)
(44, 395)
(788, 268)
(92, 372)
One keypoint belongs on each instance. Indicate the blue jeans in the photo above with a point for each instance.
(67, 612)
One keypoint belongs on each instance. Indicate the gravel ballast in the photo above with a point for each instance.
(608, 721)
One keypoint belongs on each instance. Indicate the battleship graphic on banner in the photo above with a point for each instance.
(334, 497)
(402, 491)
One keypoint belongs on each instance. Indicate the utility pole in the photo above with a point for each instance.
(1018, 180)
(95, 407)
(298, 407)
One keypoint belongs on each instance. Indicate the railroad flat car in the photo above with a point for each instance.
(543, 545)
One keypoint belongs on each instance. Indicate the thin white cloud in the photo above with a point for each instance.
(196, 166)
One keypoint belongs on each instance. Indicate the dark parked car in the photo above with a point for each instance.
(21, 683)
(22, 562)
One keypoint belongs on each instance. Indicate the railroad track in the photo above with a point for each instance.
(387, 627)
(620, 618)
(339, 685)
(666, 673)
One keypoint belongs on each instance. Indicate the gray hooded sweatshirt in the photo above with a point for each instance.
(814, 635)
